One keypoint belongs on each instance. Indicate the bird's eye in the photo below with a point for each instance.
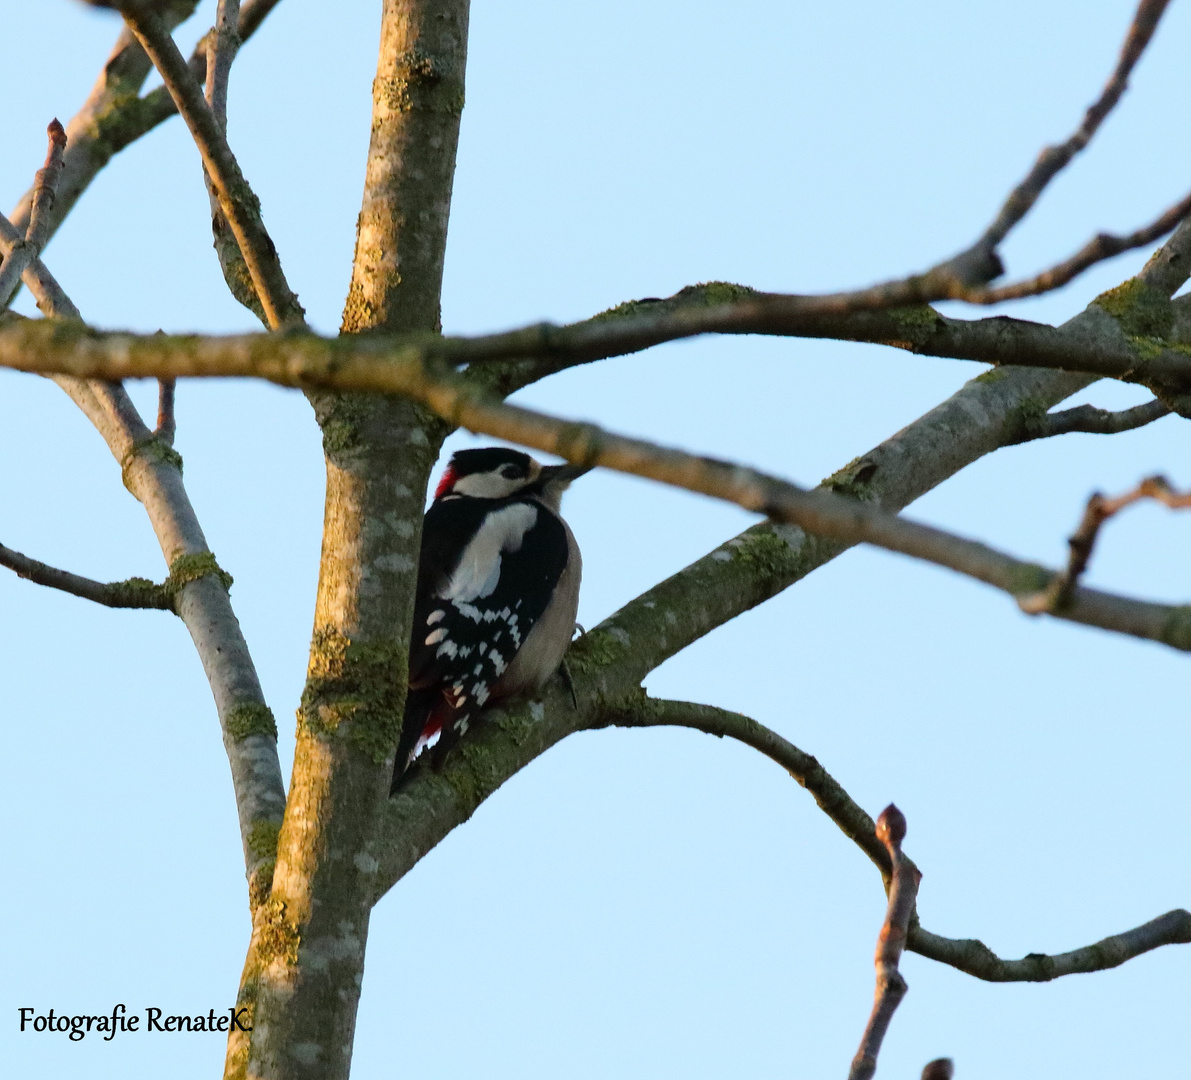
(510, 472)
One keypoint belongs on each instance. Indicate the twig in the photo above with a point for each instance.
(891, 986)
(1054, 159)
(236, 199)
(50, 296)
(133, 593)
(1087, 418)
(45, 187)
(166, 423)
(223, 42)
(113, 116)
(828, 794)
(976, 958)
(1101, 247)
(45, 184)
(970, 956)
(222, 46)
(1057, 595)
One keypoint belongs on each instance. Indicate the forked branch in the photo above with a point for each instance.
(1054, 159)
(1058, 593)
(891, 986)
(1087, 418)
(967, 955)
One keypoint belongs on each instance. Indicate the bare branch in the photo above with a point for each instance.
(197, 588)
(166, 423)
(1058, 593)
(236, 199)
(113, 116)
(379, 362)
(50, 296)
(976, 958)
(830, 797)
(45, 186)
(21, 254)
(1170, 265)
(133, 593)
(891, 986)
(1054, 159)
(1087, 418)
(222, 46)
(1101, 247)
(970, 956)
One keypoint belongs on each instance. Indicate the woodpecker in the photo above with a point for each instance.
(498, 590)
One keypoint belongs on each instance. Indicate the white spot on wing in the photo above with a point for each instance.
(435, 616)
(435, 636)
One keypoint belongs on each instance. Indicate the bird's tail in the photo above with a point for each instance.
(418, 725)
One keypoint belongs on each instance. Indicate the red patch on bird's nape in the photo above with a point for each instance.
(446, 482)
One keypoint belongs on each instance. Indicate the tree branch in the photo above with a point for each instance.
(1087, 418)
(133, 593)
(198, 588)
(824, 513)
(1059, 593)
(975, 958)
(22, 252)
(970, 956)
(113, 116)
(1101, 247)
(50, 296)
(222, 45)
(1054, 159)
(891, 986)
(166, 423)
(380, 363)
(829, 796)
(236, 199)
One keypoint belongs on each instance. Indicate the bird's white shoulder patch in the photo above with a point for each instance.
(478, 571)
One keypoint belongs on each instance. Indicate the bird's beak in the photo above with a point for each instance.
(559, 476)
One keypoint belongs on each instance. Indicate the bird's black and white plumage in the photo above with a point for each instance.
(498, 590)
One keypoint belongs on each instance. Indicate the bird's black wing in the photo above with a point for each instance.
(488, 571)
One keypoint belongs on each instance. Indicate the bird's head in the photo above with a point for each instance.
(496, 472)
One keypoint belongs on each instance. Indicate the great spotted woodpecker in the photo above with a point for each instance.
(498, 589)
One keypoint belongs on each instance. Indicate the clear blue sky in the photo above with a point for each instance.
(635, 904)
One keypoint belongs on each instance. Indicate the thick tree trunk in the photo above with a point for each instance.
(305, 964)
